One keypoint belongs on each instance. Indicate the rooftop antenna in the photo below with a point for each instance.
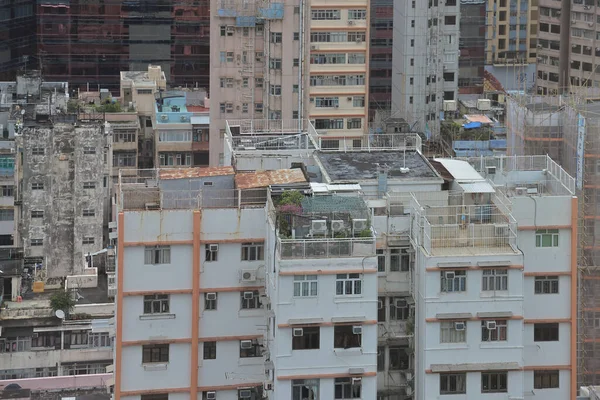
(404, 170)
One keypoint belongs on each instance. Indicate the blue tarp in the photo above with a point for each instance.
(472, 125)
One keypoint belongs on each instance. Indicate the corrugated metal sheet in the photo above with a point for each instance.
(185, 173)
(460, 170)
(477, 187)
(260, 179)
(479, 118)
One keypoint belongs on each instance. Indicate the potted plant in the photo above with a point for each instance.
(62, 300)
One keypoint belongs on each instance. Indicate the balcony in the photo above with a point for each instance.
(326, 248)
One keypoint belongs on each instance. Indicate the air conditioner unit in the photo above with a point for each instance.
(312, 99)
(164, 117)
(380, 305)
(213, 247)
(500, 229)
(532, 190)
(245, 394)
(211, 296)
(520, 191)
(246, 344)
(490, 170)
(484, 104)
(400, 303)
(183, 118)
(313, 47)
(337, 225)
(357, 330)
(297, 332)
(349, 98)
(359, 225)
(459, 326)
(248, 295)
(211, 395)
(248, 275)
(350, 22)
(359, 41)
(449, 105)
(449, 275)
(356, 381)
(318, 227)
(268, 385)
(490, 325)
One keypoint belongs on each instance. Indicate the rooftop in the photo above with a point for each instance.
(542, 107)
(186, 173)
(364, 165)
(261, 179)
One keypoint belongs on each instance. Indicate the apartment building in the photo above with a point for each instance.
(512, 30)
(496, 281)
(425, 61)
(339, 71)
(472, 46)
(381, 17)
(17, 38)
(34, 343)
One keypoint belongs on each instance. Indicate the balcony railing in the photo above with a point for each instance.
(326, 248)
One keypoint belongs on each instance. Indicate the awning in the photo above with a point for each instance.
(472, 125)
(305, 321)
(347, 320)
(475, 367)
(496, 314)
(477, 187)
(461, 316)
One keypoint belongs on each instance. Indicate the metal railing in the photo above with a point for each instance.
(326, 248)
(393, 141)
(267, 126)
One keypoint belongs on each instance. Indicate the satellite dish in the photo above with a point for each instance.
(60, 314)
(22, 112)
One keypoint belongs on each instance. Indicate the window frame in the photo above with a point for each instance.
(253, 251)
(458, 283)
(449, 333)
(499, 334)
(250, 304)
(552, 378)
(501, 378)
(494, 280)
(155, 353)
(460, 383)
(210, 255)
(209, 350)
(211, 305)
(157, 255)
(546, 284)
(310, 339)
(345, 338)
(347, 389)
(252, 352)
(151, 301)
(348, 284)
(306, 286)
(546, 332)
(542, 235)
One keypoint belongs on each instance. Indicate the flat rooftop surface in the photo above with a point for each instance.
(363, 165)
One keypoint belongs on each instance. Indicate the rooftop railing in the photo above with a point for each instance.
(326, 248)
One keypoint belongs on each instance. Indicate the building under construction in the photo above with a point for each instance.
(567, 129)
(89, 43)
(17, 36)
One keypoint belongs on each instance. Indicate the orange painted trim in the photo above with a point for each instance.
(336, 6)
(323, 376)
(534, 139)
(368, 322)
(158, 243)
(473, 267)
(552, 367)
(119, 333)
(574, 270)
(157, 341)
(155, 391)
(231, 289)
(341, 94)
(336, 115)
(548, 273)
(150, 292)
(513, 318)
(337, 72)
(594, 340)
(336, 28)
(548, 321)
(533, 228)
(229, 387)
(328, 272)
(547, 367)
(229, 338)
(194, 363)
(224, 241)
(591, 278)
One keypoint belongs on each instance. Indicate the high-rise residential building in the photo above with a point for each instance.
(380, 56)
(425, 61)
(17, 37)
(91, 43)
(471, 64)
(559, 65)
(512, 27)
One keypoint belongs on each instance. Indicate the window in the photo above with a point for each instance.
(453, 383)
(275, 90)
(494, 279)
(99, 339)
(306, 338)
(250, 300)
(156, 304)
(37, 214)
(210, 301)
(275, 63)
(347, 336)
(155, 353)
(304, 389)
(380, 260)
(37, 186)
(348, 284)
(296, 35)
(545, 379)
(494, 382)
(210, 350)
(493, 331)
(275, 37)
(399, 309)
(157, 255)
(296, 62)
(450, 20)
(454, 281)
(358, 101)
(211, 252)
(357, 14)
(88, 212)
(545, 332)
(156, 396)
(89, 150)
(347, 388)
(45, 339)
(88, 240)
(546, 238)
(7, 214)
(354, 123)
(89, 185)
(258, 108)
(37, 242)
(325, 15)
(37, 151)
(249, 348)
(229, 56)
(124, 159)
(179, 135)
(398, 358)
(546, 285)
(453, 332)
(252, 251)
(399, 260)
(305, 285)
(7, 191)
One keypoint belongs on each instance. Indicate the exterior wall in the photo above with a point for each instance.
(420, 99)
(551, 46)
(380, 54)
(62, 170)
(17, 37)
